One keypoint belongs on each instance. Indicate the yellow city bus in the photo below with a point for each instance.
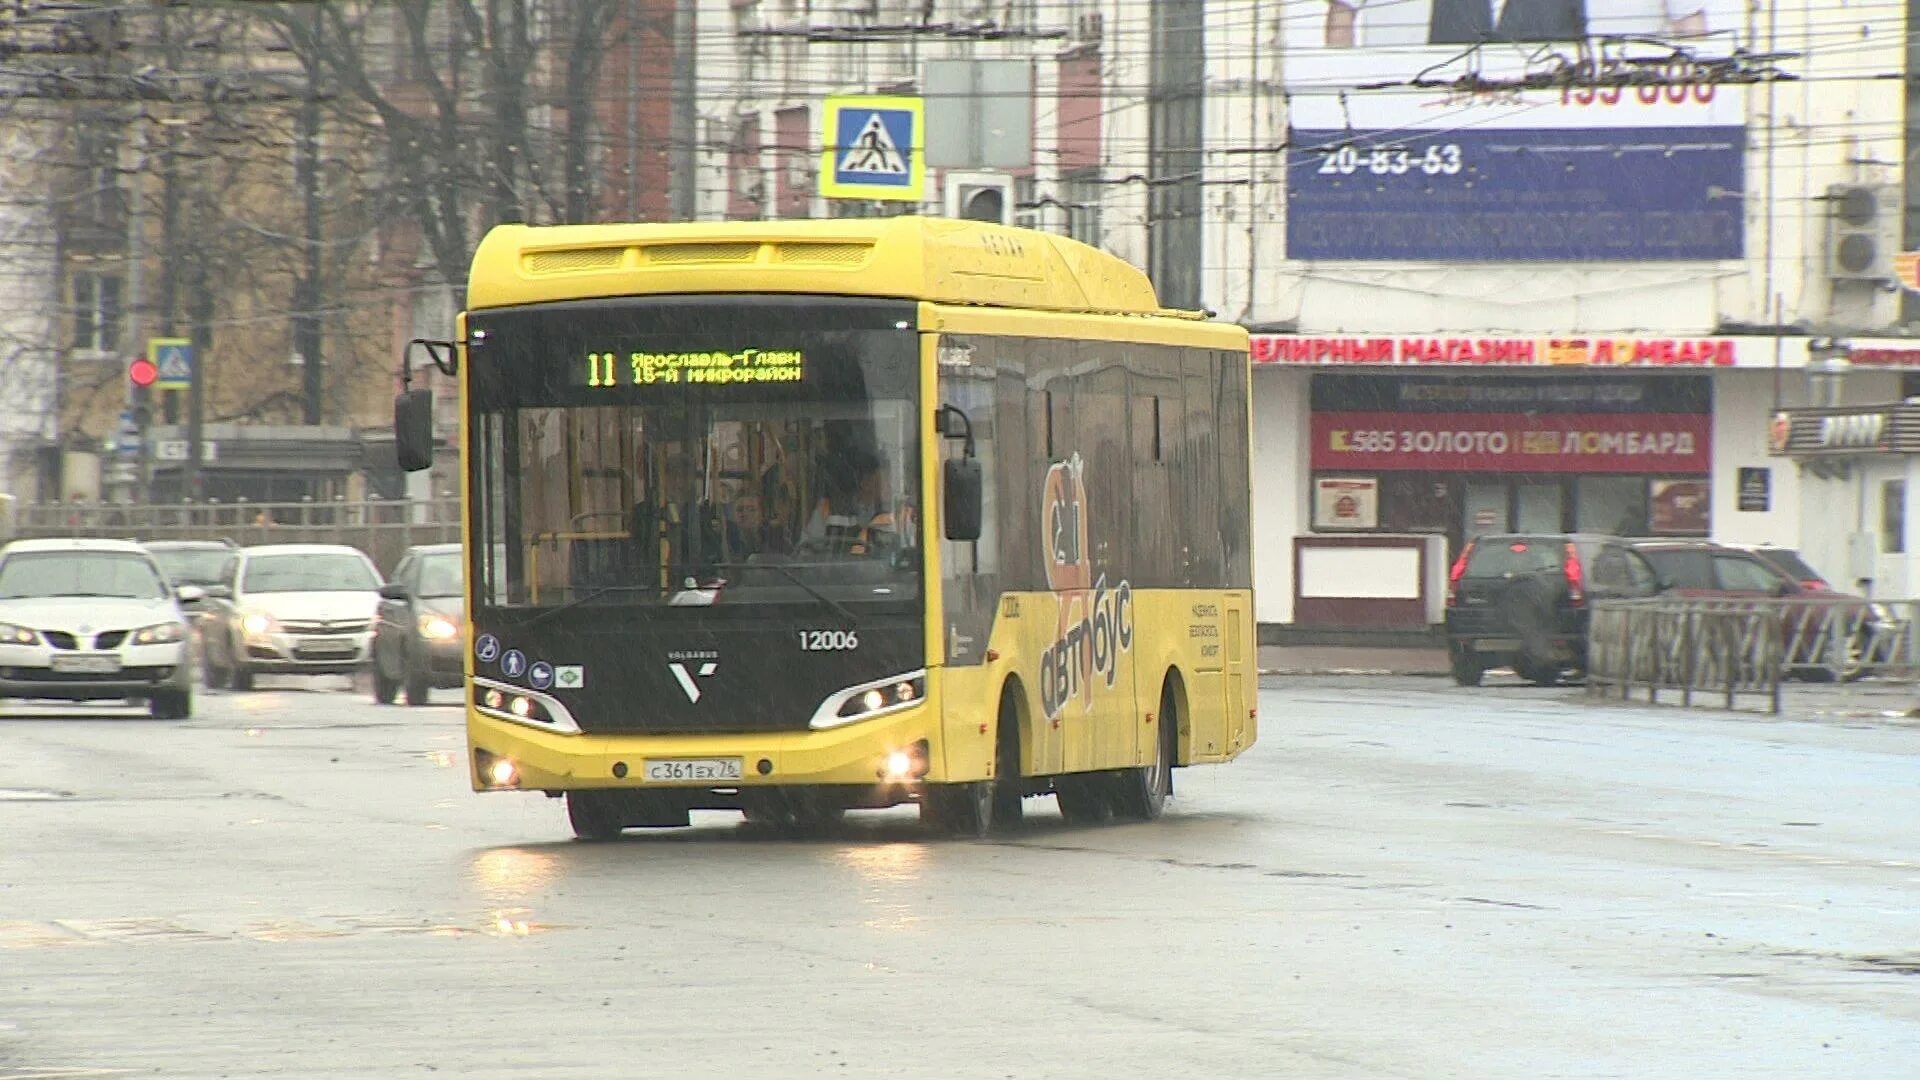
(797, 517)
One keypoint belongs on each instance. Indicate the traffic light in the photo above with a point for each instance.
(980, 197)
(141, 374)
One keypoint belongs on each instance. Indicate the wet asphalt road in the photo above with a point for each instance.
(1401, 880)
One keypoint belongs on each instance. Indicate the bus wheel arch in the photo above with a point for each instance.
(1175, 714)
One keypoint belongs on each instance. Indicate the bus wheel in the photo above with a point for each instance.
(594, 815)
(965, 810)
(985, 806)
(1141, 793)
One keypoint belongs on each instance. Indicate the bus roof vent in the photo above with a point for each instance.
(574, 260)
(832, 254)
(725, 252)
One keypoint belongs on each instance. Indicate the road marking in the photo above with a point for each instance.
(55, 933)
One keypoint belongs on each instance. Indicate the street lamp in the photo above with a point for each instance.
(1828, 361)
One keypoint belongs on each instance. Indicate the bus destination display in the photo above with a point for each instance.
(605, 370)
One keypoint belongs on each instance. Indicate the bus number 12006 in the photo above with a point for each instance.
(828, 640)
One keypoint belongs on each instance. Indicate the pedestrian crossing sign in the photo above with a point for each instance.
(173, 358)
(874, 148)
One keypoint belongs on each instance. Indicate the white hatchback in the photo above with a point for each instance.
(290, 609)
(93, 620)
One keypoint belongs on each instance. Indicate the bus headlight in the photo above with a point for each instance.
(871, 699)
(438, 628)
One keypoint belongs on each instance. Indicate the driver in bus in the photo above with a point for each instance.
(853, 518)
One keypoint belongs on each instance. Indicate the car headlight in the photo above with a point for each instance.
(438, 628)
(17, 635)
(257, 623)
(159, 633)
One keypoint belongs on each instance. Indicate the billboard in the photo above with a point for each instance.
(1510, 442)
(1515, 130)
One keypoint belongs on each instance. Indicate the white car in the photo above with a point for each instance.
(93, 620)
(290, 609)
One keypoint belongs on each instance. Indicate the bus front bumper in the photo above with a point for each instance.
(866, 753)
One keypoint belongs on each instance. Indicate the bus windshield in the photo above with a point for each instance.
(666, 472)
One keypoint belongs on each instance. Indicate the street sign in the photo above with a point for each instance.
(873, 148)
(1906, 267)
(176, 450)
(174, 359)
(981, 114)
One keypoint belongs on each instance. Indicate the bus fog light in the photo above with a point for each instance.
(899, 765)
(503, 773)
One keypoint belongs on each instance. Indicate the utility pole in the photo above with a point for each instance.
(200, 331)
(681, 127)
(139, 398)
(307, 332)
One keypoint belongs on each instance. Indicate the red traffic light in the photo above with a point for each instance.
(141, 372)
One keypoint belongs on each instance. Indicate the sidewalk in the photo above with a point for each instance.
(1350, 660)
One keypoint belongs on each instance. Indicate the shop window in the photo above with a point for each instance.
(1893, 517)
(1611, 504)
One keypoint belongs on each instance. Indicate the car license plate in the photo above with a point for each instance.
(670, 769)
(329, 646)
(92, 664)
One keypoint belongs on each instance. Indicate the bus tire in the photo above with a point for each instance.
(982, 807)
(595, 815)
(1140, 793)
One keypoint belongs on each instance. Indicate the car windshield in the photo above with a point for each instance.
(322, 572)
(440, 574)
(192, 566)
(36, 574)
(1790, 563)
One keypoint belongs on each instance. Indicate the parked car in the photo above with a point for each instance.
(290, 609)
(93, 620)
(1827, 637)
(419, 637)
(1789, 562)
(1520, 601)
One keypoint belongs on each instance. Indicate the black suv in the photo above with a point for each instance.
(1520, 601)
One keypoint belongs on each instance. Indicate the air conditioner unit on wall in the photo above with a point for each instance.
(1090, 27)
(1863, 231)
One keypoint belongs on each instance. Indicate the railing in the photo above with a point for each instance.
(1726, 650)
(384, 529)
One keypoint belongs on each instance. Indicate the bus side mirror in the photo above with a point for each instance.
(960, 482)
(413, 430)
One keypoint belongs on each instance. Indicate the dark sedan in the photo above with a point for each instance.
(418, 639)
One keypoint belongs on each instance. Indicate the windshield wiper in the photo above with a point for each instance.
(594, 595)
(836, 606)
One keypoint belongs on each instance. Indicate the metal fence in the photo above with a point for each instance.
(384, 529)
(1724, 651)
